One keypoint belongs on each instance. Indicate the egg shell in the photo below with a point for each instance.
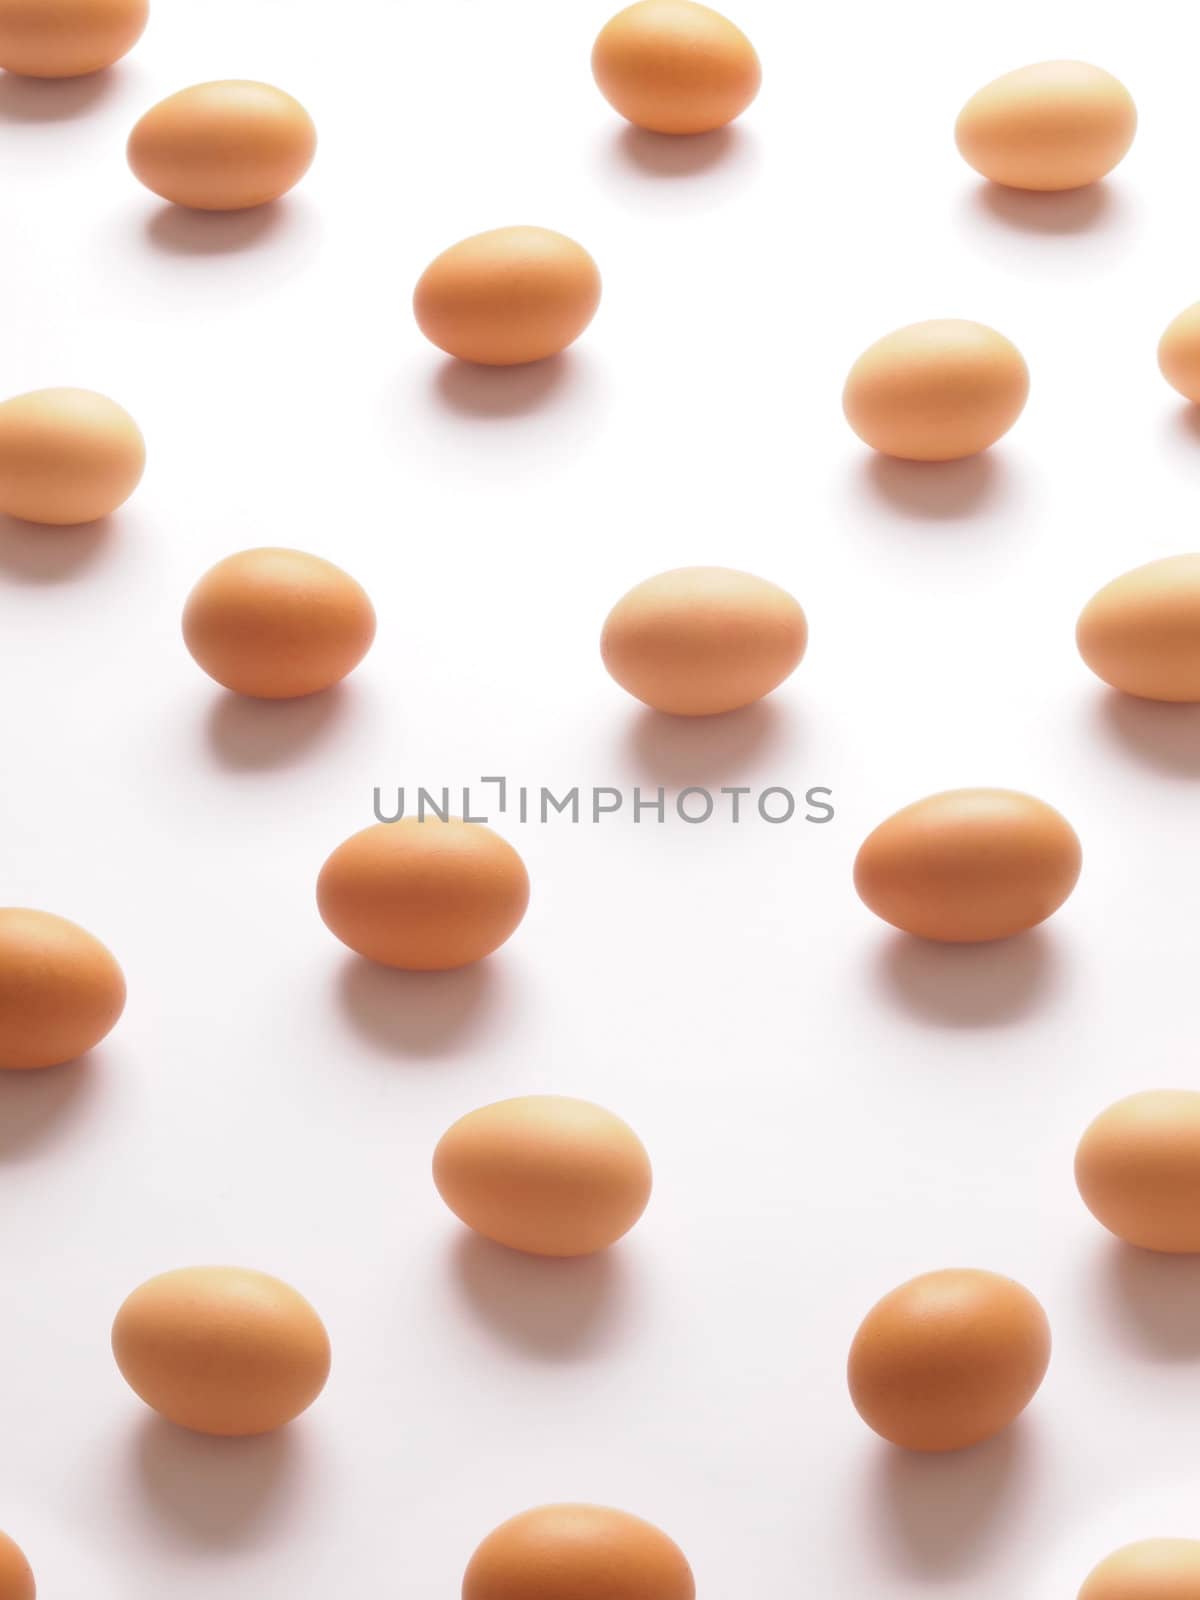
(277, 623)
(508, 296)
(423, 894)
(698, 641)
(221, 1350)
(673, 66)
(16, 1576)
(1179, 353)
(1138, 1170)
(948, 1359)
(969, 865)
(67, 38)
(1054, 125)
(936, 391)
(1141, 632)
(223, 146)
(67, 456)
(61, 991)
(578, 1552)
(545, 1174)
(1152, 1569)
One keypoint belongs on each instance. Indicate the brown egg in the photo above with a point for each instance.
(221, 1350)
(1138, 1170)
(1154, 1569)
(16, 1577)
(936, 391)
(948, 1359)
(67, 38)
(578, 1552)
(675, 67)
(1141, 632)
(60, 990)
(1055, 125)
(423, 894)
(702, 640)
(223, 146)
(67, 456)
(969, 865)
(508, 296)
(1179, 353)
(545, 1174)
(277, 623)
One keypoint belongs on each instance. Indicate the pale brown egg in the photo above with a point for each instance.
(1179, 353)
(674, 66)
(545, 1174)
(701, 640)
(223, 146)
(16, 1576)
(1138, 1170)
(423, 894)
(277, 623)
(578, 1552)
(60, 990)
(1054, 125)
(936, 391)
(221, 1350)
(1141, 632)
(67, 38)
(1152, 1569)
(508, 296)
(969, 865)
(948, 1359)
(67, 456)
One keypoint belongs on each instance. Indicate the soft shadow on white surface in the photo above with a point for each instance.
(669, 155)
(550, 1309)
(1153, 1300)
(180, 231)
(1165, 738)
(216, 1492)
(417, 1014)
(969, 985)
(668, 173)
(1185, 424)
(673, 752)
(53, 99)
(32, 553)
(37, 1108)
(1066, 212)
(471, 390)
(248, 735)
(937, 491)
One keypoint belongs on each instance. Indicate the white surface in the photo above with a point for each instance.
(829, 1108)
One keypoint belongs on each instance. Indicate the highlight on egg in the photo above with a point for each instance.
(67, 456)
(1151, 1569)
(936, 391)
(1141, 632)
(675, 67)
(698, 641)
(1137, 1168)
(948, 1359)
(557, 1551)
(68, 38)
(544, 1173)
(969, 865)
(61, 990)
(1179, 353)
(508, 296)
(223, 146)
(422, 893)
(277, 623)
(16, 1575)
(1054, 125)
(221, 1350)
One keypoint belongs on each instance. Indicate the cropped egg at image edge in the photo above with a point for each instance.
(598, 846)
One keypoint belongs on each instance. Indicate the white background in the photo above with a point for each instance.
(830, 1108)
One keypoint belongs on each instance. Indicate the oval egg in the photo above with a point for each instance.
(423, 894)
(948, 1359)
(508, 296)
(544, 1173)
(1054, 125)
(969, 865)
(1152, 1569)
(698, 641)
(1179, 353)
(1141, 632)
(223, 146)
(673, 66)
(61, 991)
(1138, 1170)
(16, 1575)
(67, 38)
(936, 391)
(221, 1350)
(67, 456)
(589, 1552)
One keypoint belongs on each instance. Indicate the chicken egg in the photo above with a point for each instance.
(422, 893)
(67, 456)
(67, 38)
(545, 1174)
(701, 640)
(577, 1552)
(60, 990)
(1153, 1569)
(1179, 353)
(1141, 632)
(1138, 1170)
(277, 623)
(16, 1576)
(936, 391)
(948, 1359)
(674, 66)
(508, 296)
(968, 865)
(223, 146)
(221, 1350)
(1054, 125)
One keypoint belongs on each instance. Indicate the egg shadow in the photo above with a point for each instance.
(1154, 1300)
(36, 553)
(1185, 422)
(675, 752)
(53, 99)
(37, 1107)
(969, 985)
(1163, 737)
(181, 231)
(677, 155)
(936, 491)
(246, 734)
(418, 1015)
(213, 1492)
(1062, 211)
(470, 390)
